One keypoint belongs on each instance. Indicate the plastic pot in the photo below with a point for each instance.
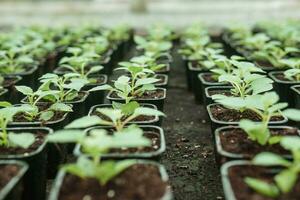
(193, 73)
(146, 155)
(296, 95)
(54, 193)
(35, 178)
(187, 72)
(3, 95)
(228, 190)
(13, 190)
(155, 121)
(200, 91)
(208, 98)
(163, 84)
(12, 95)
(61, 71)
(158, 102)
(217, 123)
(282, 88)
(95, 97)
(223, 156)
(29, 77)
(165, 70)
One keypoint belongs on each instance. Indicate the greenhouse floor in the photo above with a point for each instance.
(189, 158)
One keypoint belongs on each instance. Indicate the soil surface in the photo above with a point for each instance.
(189, 157)
(7, 172)
(237, 141)
(136, 182)
(243, 192)
(155, 94)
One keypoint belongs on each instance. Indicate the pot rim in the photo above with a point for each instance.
(141, 99)
(273, 73)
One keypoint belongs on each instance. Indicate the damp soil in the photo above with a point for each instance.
(209, 78)
(20, 117)
(39, 140)
(7, 172)
(264, 65)
(236, 141)
(225, 92)
(140, 182)
(221, 113)
(156, 94)
(243, 192)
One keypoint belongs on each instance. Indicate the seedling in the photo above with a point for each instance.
(117, 117)
(288, 174)
(68, 85)
(129, 88)
(246, 80)
(11, 139)
(96, 143)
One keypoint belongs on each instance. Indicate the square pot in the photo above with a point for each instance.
(208, 97)
(13, 190)
(55, 191)
(11, 81)
(282, 87)
(158, 102)
(164, 83)
(145, 155)
(35, 178)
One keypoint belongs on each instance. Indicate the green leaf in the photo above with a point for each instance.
(286, 180)
(261, 85)
(129, 108)
(270, 159)
(5, 104)
(277, 107)
(256, 131)
(66, 136)
(46, 115)
(147, 112)
(145, 81)
(290, 142)
(61, 107)
(23, 140)
(262, 187)
(112, 114)
(293, 114)
(84, 122)
(101, 87)
(24, 90)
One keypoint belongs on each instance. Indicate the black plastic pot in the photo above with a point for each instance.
(208, 98)
(95, 97)
(159, 102)
(35, 178)
(193, 73)
(165, 71)
(163, 84)
(12, 95)
(4, 95)
(296, 95)
(13, 190)
(202, 84)
(217, 123)
(147, 155)
(54, 193)
(80, 107)
(29, 77)
(155, 121)
(283, 88)
(61, 71)
(187, 72)
(223, 156)
(228, 190)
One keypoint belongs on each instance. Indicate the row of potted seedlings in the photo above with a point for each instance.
(116, 143)
(255, 147)
(46, 104)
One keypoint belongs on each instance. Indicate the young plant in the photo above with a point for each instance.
(246, 80)
(11, 139)
(265, 106)
(14, 61)
(96, 143)
(288, 174)
(118, 117)
(292, 74)
(68, 86)
(129, 88)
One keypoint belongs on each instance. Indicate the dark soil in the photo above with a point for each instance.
(39, 140)
(189, 157)
(43, 106)
(280, 76)
(140, 182)
(156, 94)
(243, 192)
(7, 172)
(9, 81)
(230, 115)
(195, 65)
(237, 141)
(209, 78)
(264, 64)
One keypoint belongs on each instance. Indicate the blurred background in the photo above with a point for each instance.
(140, 13)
